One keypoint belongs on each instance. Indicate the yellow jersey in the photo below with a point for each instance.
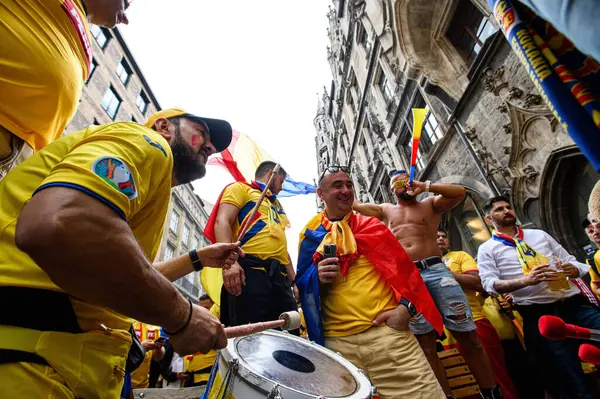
(460, 262)
(45, 54)
(265, 238)
(124, 165)
(140, 377)
(351, 304)
(595, 278)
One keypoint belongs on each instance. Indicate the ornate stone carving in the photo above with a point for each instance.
(530, 174)
(356, 8)
(502, 108)
(514, 94)
(507, 128)
(362, 183)
(471, 133)
(506, 150)
(532, 100)
(492, 81)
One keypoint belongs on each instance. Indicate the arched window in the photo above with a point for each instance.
(466, 225)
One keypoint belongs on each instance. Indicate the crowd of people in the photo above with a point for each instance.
(92, 316)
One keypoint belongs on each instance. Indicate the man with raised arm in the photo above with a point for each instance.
(414, 224)
(358, 303)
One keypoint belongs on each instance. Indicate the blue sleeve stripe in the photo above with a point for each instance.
(258, 226)
(88, 192)
(244, 211)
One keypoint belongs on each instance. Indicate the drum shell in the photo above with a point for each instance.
(248, 383)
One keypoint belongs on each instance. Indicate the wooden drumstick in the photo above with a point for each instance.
(246, 225)
(287, 321)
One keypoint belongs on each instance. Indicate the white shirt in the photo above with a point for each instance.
(498, 261)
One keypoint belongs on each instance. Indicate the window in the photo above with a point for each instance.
(362, 37)
(384, 86)
(100, 34)
(169, 251)
(431, 127)
(93, 66)
(468, 30)
(195, 242)
(142, 101)
(110, 102)
(185, 238)
(350, 102)
(174, 221)
(467, 230)
(124, 71)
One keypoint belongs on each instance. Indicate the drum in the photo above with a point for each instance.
(278, 365)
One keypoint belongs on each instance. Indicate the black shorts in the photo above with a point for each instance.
(267, 294)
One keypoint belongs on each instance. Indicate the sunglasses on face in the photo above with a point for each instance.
(334, 169)
(400, 183)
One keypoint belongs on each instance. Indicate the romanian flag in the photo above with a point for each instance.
(243, 156)
(376, 242)
(568, 80)
(418, 118)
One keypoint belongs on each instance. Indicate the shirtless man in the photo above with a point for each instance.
(415, 225)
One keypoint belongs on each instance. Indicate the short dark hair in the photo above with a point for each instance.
(204, 297)
(585, 223)
(265, 167)
(441, 230)
(489, 204)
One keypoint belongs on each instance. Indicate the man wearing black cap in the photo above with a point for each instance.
(80, 222)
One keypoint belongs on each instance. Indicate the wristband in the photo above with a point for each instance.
(196, 263)
(186, 323)
(409, 305)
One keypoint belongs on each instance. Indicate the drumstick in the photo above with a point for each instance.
(287, 321)
(246, 224)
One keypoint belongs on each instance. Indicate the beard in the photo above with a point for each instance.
(506, 221)
(405, 196)
(187, 163)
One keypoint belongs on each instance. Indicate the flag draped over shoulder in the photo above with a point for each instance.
(568, 80)
(243, 156)
(375, 241)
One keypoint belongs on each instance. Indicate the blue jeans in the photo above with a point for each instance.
(555, 365)
(449, 298)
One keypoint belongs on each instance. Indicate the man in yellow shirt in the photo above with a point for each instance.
(465, 271)
(359, 302)
(593, 261)
(258, 287)
(45, 58)
(79, 222)
(147, 334)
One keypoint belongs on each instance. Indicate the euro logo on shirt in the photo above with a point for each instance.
(114, 172)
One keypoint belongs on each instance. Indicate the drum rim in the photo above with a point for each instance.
(362, 381)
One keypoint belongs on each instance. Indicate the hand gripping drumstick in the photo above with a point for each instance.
(246, 225)
(287, 321)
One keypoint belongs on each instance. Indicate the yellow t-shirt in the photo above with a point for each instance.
(502, 324)
(140, 377)
(265, 238)
(45, 55)
(460, 262)
(593, 275)
(125, 165)
(350, 305)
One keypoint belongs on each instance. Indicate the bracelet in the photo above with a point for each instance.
(196, 263)
(186, 323)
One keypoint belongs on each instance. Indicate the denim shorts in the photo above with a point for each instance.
(449, 299)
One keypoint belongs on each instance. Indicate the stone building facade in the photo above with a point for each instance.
(116, 90)
(486, 127)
